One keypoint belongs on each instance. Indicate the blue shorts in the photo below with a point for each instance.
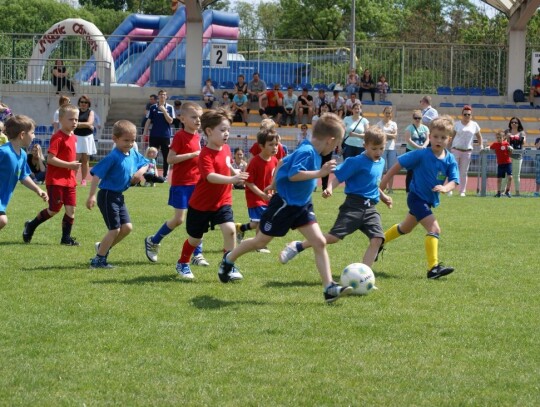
(198, 222)
(280, 217)
(419, 208)
(113, 208)
(179, 196)
(256, 213)
(503, 169)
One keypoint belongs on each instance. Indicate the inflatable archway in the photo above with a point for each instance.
(72, 26)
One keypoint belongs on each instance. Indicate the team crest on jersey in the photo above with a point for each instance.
(441, 176)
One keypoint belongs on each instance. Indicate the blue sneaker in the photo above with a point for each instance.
(100, 263)
(184, 271)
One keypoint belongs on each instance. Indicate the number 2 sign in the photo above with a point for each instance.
(218, 56)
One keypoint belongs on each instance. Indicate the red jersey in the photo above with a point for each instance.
(273, 98)
(64, 147)
(260, 174)
(208, 196)
(502, 152)
(185, 172)
(255, 150)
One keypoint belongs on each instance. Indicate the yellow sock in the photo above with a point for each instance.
(431, 242)
(392, 233)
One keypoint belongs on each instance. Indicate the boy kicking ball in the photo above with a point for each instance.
(291, 207)
(120, 169)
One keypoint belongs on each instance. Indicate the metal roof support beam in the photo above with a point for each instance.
(194, 47)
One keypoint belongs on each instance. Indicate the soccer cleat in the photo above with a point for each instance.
(69, 241)
(100, 263)
(151, 249)
(334, 291)
(239, 233)
(228, 272)
(184, 271)
(508, 194)
(199, 260)
(263, 250)
(498, 195)
(462, 194)
(288, 253)
(27, 232)
(438, 271)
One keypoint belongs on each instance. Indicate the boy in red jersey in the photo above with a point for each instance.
(184, 157)
(503, 150)
(211, 202)
(261, 170)
(60, 179)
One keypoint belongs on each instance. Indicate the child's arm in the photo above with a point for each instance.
(57, 162)
(139, 175)
(325, 170)
(255, 189)
(215, 178)
(444, 188)
(29, 183)
(91, 201)
(389, 174)
(327, 193)
(173, 158)
(387, 200)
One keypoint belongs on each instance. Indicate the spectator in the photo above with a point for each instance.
(36, 163)
(256, 88)
(537, 145)
(97, 125)
(349, 103)
(152, 101)
(355, 128)
(60, 79)
(320, 99)
(417, 138)
(324, 108)
(303, 135)
(239, 164)
(208, 92)
(390, 129)
(304, 106)
(429, 113)
(241, 84)
(289, 107)
(535, 88)
(382, 87)
(337, 104)
(517, 138)
(3, 137)
(177, 123)
(150, 176)
(86, 146)
(5, 112)
(274, 107)
(239, 107)
(366, 85)
(352, 83)
(62, 101)
(226, 99)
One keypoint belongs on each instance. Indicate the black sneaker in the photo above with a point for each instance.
(438, 271)
(498, 195)
(70, 241)
(508, 194)
(335, 291)
(228, 272)
(380, 251)
(27, 232)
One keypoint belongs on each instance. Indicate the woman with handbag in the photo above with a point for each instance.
(355, 127)
(417, 137)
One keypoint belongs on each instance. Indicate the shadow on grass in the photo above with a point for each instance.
(383, 275)
(21, 243)
(166, 278)
(74, 267)
(281, 284)
(208, 302)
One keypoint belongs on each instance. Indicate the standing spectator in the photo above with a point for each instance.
(320, 99)
(517, 138)
(429, 113)
(349, 103)
(151, 101)
(239, 107)
(323, 109)
(256, 88)
(462, 144)
(304, 106)
(241, 84)
(503, 150)
(352, 83)
(337, 104)
(355, 128)
(62, 101)
(177, 123)
(390, 129)
(208, 92)
(303, 135)
(60, 79)
(160, 116)
(239, 164)
(97, 125)
(382, 87)
(417, 138)
(289, 107)
(274, 109)
(535, 88)
(5, 112)
(36, 163)
(367, 84)
(86, 146)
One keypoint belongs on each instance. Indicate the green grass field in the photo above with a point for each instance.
(138, 335)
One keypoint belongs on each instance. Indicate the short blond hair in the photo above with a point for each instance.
(375, 135)
(444, 123)
(329, 125)
(149, 150)
(267, 124)
(187, 106)
(65, 109)
(122, 127)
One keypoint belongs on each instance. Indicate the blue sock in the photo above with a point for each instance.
(299, 247)
(163, 231)
(198, 250)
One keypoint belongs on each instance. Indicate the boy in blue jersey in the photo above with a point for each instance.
(431, 167)
(291, 207)
(115, 173)
(361, 175)
(13, 163)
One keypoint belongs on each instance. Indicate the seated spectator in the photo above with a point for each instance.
(256, 88)
(241, 84)
(304, 107)
(349, 103)
(225, 99)
(239, 164)
(289, 107)
(366, 85)
(320, 99)
(274, 107)
(151, 176)
(382, 87)
(352, 82)
(239, 107)
(337, 104)
(177, 123)
(5, 112)
(36, 162)
(208, 94)
(59, 77)
(535, 88)
(303, 135)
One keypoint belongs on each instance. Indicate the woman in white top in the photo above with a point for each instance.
(323, 108)
(389, 127)
(355, 128)
(462, 144)
(416, 137)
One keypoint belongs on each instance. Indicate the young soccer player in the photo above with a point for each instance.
(503, 151)
(261, 170)
(115, 173)
(13, 162)
(431, 167)
(361, 175)
(211, 202)
(60, 179)
(291, 207)
(184, 157)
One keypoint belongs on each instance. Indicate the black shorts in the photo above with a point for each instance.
(279, 217)
(503, 169)
(358, 213)
(2, 213)
(113, 208)
(198, 222)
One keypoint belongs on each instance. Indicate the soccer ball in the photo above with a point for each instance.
(360, 277)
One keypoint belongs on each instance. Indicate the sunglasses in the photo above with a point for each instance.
(417, 118)
(466, 114)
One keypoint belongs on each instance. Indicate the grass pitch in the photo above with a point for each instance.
(138, 335)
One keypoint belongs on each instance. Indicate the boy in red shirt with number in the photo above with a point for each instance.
(503, 149)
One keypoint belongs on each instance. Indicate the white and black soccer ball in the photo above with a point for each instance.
(360, 277)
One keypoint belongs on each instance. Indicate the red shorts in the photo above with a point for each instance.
(61, 196)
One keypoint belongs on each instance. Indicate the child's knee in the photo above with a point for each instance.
(126, 228)
(3, 221)
(318, 243)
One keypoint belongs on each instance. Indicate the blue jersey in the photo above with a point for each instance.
(429, 171)
(361, 175)
(13, 168)
(116, 169)
(160, 126)
(304, 158)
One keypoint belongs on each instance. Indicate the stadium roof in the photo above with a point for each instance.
(520, 11)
